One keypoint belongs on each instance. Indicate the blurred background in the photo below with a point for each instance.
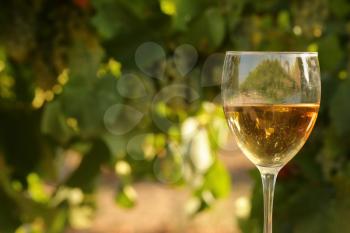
(110, 117)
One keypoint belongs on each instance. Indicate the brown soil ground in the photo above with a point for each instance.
(161, 209)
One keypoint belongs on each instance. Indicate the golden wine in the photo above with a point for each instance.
(271, 135)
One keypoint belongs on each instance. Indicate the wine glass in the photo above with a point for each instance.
(271, 101)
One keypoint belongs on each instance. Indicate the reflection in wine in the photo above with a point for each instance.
(271, 135)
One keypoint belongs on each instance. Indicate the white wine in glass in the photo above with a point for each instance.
(271, 101)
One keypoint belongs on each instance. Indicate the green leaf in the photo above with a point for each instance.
(106, 94)
(9, 213)
(208, 32)
(132, 86)
(330, 45)
(341, 8)
(88, 105)
(84, 176)
(87, 53)
(219, 187)
(250, 225)
(340, 111)
(315, 223)
(168, 7)
(122, 113)
(58, 221)
(140, 145)
(54, 123)
(126, 197)
(211, 189)
(80, 217)
(283, 20)
(139, 8)
(106, 21)
(36, 189)
(81, 105)
(168, 167)
(333, 150)
(116, 144)
(186, 11)
(233, 16)
(338, 215)
(20, 140)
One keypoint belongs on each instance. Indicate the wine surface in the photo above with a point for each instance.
(271, 135)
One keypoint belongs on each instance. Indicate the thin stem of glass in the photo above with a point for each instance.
(268, 176)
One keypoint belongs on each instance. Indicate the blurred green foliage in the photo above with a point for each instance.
(77, 93)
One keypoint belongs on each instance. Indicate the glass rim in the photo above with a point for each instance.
(271, 53)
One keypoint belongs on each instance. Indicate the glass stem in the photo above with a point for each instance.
(268, 176)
